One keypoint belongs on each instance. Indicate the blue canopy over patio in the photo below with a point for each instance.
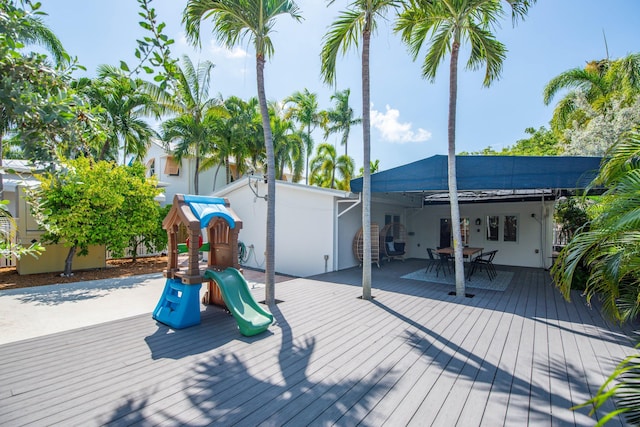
(477, 173)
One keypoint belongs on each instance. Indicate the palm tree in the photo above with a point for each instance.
(600, 82)
(448, 23)
(192, 127)
(358, 21)
(608, 247)
(233, 127)
(304, 109)
(374, 167)
(288, 144)
(33, 31)
(329, 170)
(125, 102)
(233, 21)
(340, 118)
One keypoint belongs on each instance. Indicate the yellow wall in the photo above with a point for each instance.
(52, 260)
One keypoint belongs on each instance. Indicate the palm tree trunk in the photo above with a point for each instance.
(196, 177)
(453, 184)
(306, 151)
(1, 172)
(366, 176)
(270, 276)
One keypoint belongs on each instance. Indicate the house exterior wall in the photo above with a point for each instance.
(534, 238)
(348, 225)
(209, 180)
(305, 226)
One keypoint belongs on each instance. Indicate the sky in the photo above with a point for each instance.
(409, 114)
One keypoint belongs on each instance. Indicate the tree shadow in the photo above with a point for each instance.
(226, 389)
(78, 291)
(458, 361)
(216, 328)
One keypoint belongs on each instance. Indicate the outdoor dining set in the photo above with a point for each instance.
(442, 260)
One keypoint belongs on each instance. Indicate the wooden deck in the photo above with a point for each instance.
(413, 356)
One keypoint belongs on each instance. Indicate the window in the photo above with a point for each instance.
(493, 227)
(395, 219)
(464, 230)
(446, 235)
(151, 167)
(510, 228)
(172, 168)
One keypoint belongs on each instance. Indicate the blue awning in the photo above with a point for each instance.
(486, 173)
(205, 208)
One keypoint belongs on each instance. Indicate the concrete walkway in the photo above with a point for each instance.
(43, 310)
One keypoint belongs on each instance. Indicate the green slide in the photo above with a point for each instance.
(252, 318)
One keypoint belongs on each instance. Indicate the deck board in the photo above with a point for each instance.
(414, 355)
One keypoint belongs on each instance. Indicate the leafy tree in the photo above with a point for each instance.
(155, 239)
(303, 107)
(234, 20)
(36, 104)
(542, 142)
(154, 50)
(192, 128)
(340, 118)
(353, 26)
(602, 129)
(94, 203)
(447, 23)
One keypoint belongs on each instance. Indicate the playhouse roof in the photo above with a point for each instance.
(197, 211)
(205, 208)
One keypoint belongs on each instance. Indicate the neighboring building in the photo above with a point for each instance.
(177, 177)
(28, 230)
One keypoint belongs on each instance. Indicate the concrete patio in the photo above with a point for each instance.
(413, 356)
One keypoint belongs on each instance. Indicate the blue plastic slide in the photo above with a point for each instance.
(252, 318)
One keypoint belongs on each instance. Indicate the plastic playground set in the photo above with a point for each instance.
(179, 305)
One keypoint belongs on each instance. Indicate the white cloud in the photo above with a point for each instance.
(235, 53)
(394, 131)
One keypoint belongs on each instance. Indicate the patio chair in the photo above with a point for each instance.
(432, 261)
(444, 264)
(484, 260)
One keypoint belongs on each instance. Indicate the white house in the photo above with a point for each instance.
(309, 224)
(178, 177)
(506, 203)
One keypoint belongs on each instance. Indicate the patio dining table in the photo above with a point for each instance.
(467, 251)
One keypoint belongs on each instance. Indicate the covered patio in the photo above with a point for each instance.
(412, 356)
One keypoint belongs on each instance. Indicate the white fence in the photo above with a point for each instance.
(142, 252)
(7, 262)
